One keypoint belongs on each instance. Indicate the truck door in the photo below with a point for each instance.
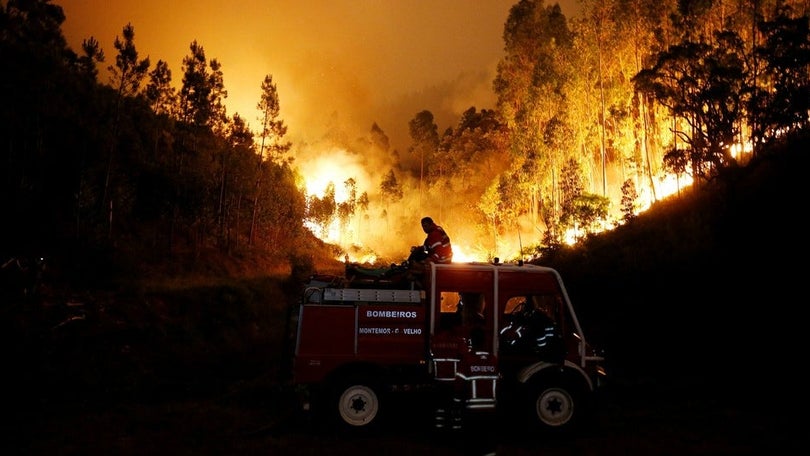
(463, 303)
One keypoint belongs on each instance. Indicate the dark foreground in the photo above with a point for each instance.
(676, 416)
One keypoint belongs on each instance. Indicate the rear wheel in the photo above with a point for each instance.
(357, 404)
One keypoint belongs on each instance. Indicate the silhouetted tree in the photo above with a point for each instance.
(91, 57)
(159, 91)
(424, 143)
(125, 77)
(272, 145)
(629, 197)
(784, 102)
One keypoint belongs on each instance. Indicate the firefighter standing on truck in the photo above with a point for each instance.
(435, 249)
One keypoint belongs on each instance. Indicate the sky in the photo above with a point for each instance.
(355, 62)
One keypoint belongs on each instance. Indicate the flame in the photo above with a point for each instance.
(460, 255)
(358, 236)
(322, 172)
(668, 185)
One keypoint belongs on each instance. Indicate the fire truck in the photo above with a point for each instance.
(471, 338)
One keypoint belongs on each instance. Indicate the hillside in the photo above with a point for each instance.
(708, 278)
(693, 302)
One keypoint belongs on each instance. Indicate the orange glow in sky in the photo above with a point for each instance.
(360, 61)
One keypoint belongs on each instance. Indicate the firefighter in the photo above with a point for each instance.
(436, 248)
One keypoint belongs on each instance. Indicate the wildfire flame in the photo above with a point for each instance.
(335, 167)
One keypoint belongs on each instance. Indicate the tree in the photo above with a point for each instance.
(531, 84)
(784, 103)
(347, 209)
(379, 139)
(219, 116)
(92, 55)
(125, 77)
(424, 142)
(159, 91)
(128, 72)
(321, 210)
(701, 83)
(629, 197)
(195, 93)
(588, 209)
(236, 175)
(272, 145)
(571, 188)
(390, 190)
(490, 206)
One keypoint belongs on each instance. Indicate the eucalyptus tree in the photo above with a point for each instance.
(571, 187)
(530, 88)
(489, 205)
(632, 139)
(321, 210)
(628, 201)
(390, 189)
(470, 156)
(424, 143)
(701, 84)
(379, 139)
(347, 209)
(600, 14)
(782, 101)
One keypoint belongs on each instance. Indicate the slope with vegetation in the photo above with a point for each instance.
(694, 302)
(705, 282)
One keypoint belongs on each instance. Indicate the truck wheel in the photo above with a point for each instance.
(553, 407)
(358, 404)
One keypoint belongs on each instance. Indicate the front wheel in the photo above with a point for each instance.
(554, 406)
(358, 404)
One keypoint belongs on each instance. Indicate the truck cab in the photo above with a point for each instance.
(483, 338)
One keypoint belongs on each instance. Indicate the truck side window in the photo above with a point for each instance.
(515, 304)
(449, 301)
(449, 317)
(546, 304)
(462, 313)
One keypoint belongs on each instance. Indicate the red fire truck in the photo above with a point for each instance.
(472, 337)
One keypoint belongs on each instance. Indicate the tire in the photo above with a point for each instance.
(356, 405)
(554, 407)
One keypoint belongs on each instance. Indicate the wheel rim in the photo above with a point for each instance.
(554, 407)
(358, 405)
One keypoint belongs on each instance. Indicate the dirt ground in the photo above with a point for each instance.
(683, 416)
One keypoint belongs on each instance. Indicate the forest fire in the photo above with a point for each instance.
(346, 211)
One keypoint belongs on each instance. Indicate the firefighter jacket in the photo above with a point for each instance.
(437, 244)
